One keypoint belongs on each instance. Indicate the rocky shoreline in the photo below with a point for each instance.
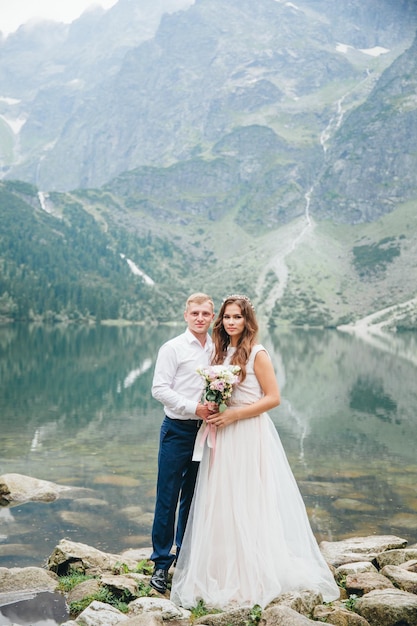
(377, 576)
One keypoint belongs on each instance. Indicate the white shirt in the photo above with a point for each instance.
(176, 383)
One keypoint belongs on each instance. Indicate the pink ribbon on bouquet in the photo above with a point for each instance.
(208, 431)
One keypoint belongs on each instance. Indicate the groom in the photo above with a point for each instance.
(178, 386)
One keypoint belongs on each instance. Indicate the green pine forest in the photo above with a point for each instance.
(69, 263)
(70, 269)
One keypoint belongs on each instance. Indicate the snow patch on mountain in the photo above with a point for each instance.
(138, 272)
(373, 52)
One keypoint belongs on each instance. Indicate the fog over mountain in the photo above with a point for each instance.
(278, 122)
(122, 88)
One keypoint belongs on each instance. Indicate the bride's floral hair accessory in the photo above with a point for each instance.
(237, 296)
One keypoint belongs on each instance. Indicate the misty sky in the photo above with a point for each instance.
(13, 13)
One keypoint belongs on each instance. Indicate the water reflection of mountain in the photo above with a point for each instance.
(346, 394)
(64, 373)
(76, 408)
(337, 390)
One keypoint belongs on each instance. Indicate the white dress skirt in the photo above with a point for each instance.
(248, 537)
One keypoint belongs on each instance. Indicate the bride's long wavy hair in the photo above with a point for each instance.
(247, 339)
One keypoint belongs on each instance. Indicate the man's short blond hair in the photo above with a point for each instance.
(198, 298)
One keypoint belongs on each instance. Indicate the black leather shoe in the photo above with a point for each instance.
(159, 580)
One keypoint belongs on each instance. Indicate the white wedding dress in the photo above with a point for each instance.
(248, 537)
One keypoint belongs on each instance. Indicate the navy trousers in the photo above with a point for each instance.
(177, 474)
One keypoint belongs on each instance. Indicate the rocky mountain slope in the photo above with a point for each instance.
(371, 166)
(118, 89)
(267, 145)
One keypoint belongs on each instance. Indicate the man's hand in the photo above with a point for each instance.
(203, 411)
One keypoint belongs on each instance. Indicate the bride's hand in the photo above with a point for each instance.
(223, 419)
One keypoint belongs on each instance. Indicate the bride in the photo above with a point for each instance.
(248, 537)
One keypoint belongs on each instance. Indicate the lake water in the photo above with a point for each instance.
(76, 409)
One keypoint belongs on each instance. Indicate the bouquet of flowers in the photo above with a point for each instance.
(219, 381)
